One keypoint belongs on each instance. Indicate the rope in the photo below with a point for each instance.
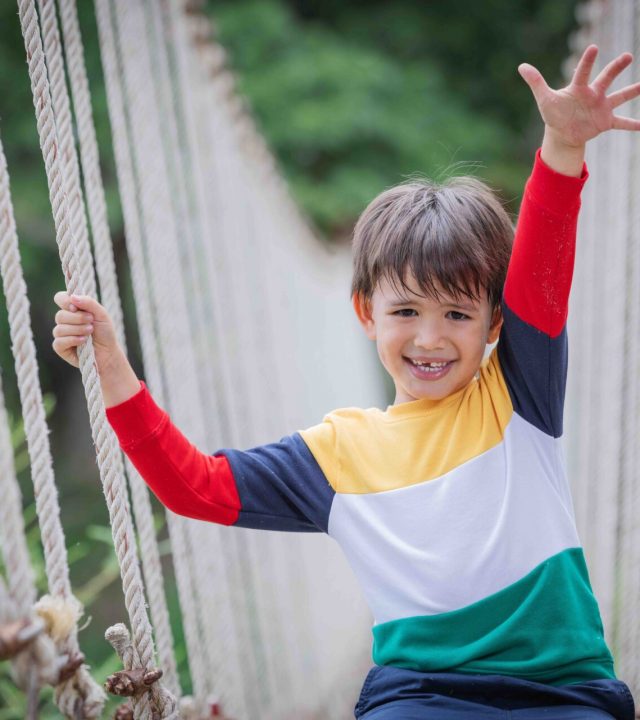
(237, 548)
(128, 182)
(79, 694)
(119, 638)
(38, 662)
(109, 460)
(604, 397)
(111, 300)
(627, 617)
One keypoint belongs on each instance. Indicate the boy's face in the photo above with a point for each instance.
(431, 348)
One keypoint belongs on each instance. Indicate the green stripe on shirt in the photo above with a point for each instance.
(545, 627)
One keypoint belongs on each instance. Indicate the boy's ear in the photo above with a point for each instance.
(496, 324)
(362, 307)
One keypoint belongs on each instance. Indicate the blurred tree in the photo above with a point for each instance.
(355, 96)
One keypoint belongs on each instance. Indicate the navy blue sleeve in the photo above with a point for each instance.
(535, 370)
(281, 487)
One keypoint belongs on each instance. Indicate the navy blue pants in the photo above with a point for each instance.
(391, 693)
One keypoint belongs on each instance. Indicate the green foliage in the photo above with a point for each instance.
(354, 98)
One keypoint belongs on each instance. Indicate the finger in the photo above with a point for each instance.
(625, 123)
(611, 72)
(66, 348)
(73, 318)
(64, 344)
(90, 305)
(534, 80)
(624, 95)
(62, 331)
(61, 299)
(582, 73)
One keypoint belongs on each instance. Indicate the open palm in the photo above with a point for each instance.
(583, 110)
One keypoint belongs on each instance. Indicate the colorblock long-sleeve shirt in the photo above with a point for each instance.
(455, 514)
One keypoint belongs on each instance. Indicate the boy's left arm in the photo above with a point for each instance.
(532, 348)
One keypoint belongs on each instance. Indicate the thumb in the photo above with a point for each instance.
(534, 80)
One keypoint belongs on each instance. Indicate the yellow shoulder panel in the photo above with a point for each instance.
(367, 451)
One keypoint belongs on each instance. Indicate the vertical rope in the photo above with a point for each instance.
(79, 694)
(131, 195)
(628, 561)
(111, 300)
(109, 460)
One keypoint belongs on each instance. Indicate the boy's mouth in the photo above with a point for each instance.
(429, 370)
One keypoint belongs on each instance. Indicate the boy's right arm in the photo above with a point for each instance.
(273, 487)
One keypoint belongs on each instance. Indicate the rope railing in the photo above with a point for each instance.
(78, 695)
(78, 270)
(603, 394)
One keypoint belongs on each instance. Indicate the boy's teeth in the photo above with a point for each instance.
(431, 364)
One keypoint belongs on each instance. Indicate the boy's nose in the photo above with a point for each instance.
(430, 336)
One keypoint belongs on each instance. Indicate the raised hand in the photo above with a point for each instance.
(582, 110)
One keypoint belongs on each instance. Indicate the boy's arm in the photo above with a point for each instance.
(532, 348)
(273, 487)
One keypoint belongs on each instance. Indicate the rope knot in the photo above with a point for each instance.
(17, 635)
(129, 683)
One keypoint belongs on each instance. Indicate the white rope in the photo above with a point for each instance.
(124, 145)
(165, 265)
(627, 617)
(249, 643)
(109, 460)
(39, 662)
(79, 695)
(111, 300)
(224, 213)
(603, 400)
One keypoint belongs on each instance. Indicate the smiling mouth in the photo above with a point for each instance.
(429, 370)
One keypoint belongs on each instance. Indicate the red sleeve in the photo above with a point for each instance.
(541, 267)
(185, 480)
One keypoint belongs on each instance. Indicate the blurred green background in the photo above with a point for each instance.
(352, 96)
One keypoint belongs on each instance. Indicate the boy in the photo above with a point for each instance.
(452, 506)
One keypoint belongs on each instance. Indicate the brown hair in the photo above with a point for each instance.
(454, 234)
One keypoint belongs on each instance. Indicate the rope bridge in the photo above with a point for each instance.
(245, 332)
(603, 393)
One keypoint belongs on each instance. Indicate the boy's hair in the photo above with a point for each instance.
(454, 234)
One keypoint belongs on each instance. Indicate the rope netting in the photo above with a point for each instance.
(234, 299)
(207, 215)
(603, 394)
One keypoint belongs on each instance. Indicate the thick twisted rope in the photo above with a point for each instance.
(227, 137)
(119, 638)
(111, 300)
(109, 459)
(62, 114)
(38, 663)
(252, 554)
(124, 144)
(247, 636)
(628, 550)
(79, 694)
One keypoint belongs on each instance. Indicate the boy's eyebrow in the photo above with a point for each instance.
(398, 301)
(401, 301)
(462, 306)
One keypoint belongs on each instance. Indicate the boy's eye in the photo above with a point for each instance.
(455, 315)
(405, 312)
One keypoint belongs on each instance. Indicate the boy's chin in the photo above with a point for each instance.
(410, 395)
